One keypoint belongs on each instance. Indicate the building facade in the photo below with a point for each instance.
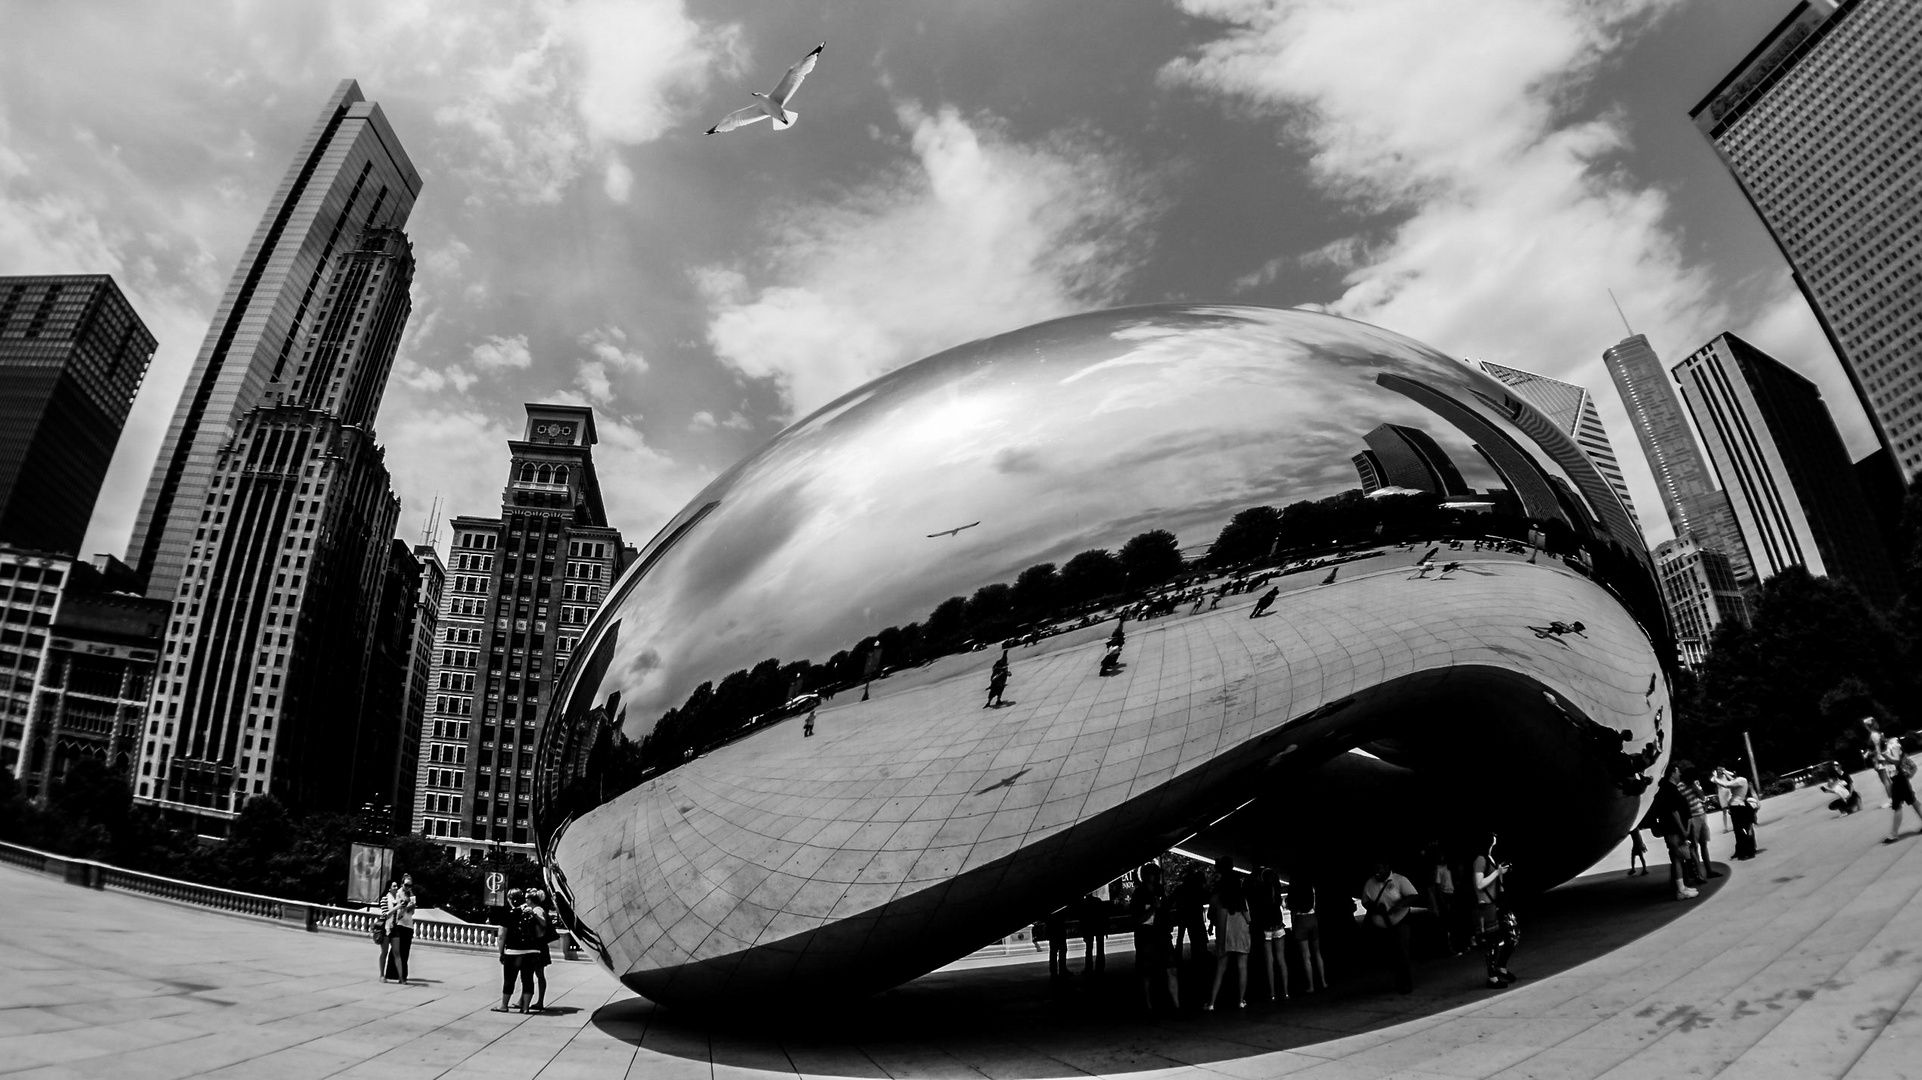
(1781, 461)
(349, 175)
(1819, 125)
(72, 356)
(520, 589)
(81, 647)
(1700, 593)
(1572, 410)
(1696, 507)
(278, 605)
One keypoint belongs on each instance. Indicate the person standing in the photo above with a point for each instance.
(1191, 910)
(1146, 907)
(1441, 898)
(1670, 816)
(1092, 914)
(515, 947)
(997, 681)
(1901, 772)
(1265, 926)
(1740, 800)
(1698, 801)
(1495, 928)
(1228, 911)
(397, 909)
(541, 932)
(1388, 898)
(1057, 929)
(1876, 760)
(1306, 934)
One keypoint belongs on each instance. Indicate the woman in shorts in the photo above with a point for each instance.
(1306, 934)
(1267, 923)
(1154, 955)
(516, 951)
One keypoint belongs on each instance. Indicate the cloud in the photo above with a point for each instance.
(705, 421)
(610, 359)
(978, 234)
(1510, 217)
(499, 352)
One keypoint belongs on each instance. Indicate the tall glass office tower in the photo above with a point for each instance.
(349, 174)
(1819, 124)
(1696, 508)
(1572, 409)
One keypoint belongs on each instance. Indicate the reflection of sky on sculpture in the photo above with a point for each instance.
(1069, 435)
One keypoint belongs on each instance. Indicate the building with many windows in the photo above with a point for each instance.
(77, 656)
(1696, 508)
(1700, 592)
(1407, 457)
(350, 175)
(1572, 410)
(1780, 459)
(1820, 124)
(72, 356)
(277, 607)
(520, 589)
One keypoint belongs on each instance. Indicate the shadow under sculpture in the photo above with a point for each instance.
(713, 853)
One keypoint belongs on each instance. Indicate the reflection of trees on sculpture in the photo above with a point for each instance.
(1041, 595)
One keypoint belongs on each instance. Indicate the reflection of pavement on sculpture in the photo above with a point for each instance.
(769, 838)
(1803, 964)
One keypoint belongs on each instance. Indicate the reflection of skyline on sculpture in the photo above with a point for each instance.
(838, 531)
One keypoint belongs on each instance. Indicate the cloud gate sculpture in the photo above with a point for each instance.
(1366, 598)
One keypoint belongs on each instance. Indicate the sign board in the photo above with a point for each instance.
(495, 885)
(368, 869)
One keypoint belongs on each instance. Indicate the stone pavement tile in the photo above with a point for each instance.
(813, 1059)
(652, 1066)
(293, 1063)
(914, 1061)
(589, 1055)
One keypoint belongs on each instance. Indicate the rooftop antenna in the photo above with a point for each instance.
(430, 532)
(1618, 312)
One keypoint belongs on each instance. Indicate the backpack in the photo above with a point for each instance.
(1905, 766)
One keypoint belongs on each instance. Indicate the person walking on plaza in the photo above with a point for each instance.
(1228, 911)
(997, 681)
(397, 911)
(1305, 931)
(1388, 897)
(516, 947)
(1147, 912)
(1267, 600)
(1876, 761)
(1266, 924)
(1494, 928)
(1698, 803)
(1901, 771)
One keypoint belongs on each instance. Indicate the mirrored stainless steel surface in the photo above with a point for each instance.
(837, 725)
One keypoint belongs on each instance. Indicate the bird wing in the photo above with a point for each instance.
(792, 80)
(738, 118)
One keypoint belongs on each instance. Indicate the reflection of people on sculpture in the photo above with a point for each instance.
(1111, 657)
(1228, 911)
(1330, 579)
(807, 726)
(1497, 930)
(997, 681)
(1558, 629)
(1267, 600)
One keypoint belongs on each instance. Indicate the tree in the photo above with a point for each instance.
(1034, 589)
(1091, 575)
(989, 610)
(1808, 637)
(1150, 558)
(1248, 535)
(946, 623)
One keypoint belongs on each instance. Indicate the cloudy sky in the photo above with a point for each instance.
(1472, 175)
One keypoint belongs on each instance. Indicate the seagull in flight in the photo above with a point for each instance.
(772, 106)
(954, 531)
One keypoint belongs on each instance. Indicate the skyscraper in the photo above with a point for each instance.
(1819, 125)
(72, 354)
(1572, 409)
(277, 607)
(349, 174)
(1782, 464)
(520, 589)
(1700, 593)
(1696, 508)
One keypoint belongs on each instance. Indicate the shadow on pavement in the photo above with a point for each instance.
(1022, 1023)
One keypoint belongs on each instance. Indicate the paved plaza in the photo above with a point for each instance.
(1800, 963)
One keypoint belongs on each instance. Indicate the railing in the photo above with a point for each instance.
(314, 917)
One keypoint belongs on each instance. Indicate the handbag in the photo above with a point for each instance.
(380, 932)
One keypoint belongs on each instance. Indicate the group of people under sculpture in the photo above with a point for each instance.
(1237, 918)
(527, 928)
